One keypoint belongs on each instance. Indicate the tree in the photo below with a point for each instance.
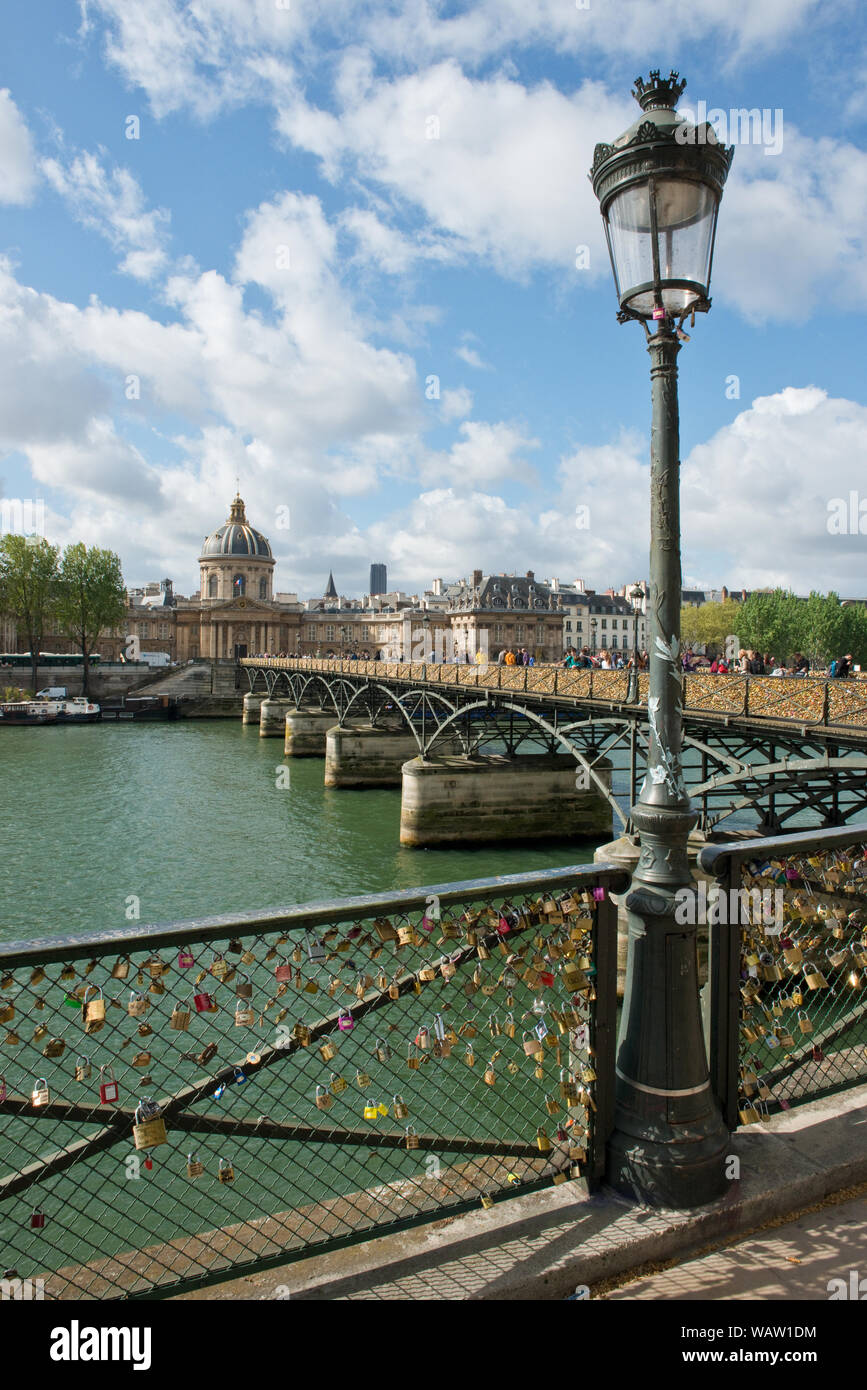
(709, 625)
(91, 597)
(769, 622)
(28, 588)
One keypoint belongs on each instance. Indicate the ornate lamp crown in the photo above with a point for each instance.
(658, 92)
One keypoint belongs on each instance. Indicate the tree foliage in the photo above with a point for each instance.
(29, 588)
(781, 624)
(91, 597)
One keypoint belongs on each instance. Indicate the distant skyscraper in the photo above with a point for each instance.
(378, 579)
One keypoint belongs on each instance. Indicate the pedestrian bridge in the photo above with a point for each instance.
(770, 748)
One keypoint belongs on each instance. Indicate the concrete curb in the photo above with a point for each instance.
(543, 1246)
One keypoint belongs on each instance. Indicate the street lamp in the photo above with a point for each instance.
(592, 636)
(636, 594)
(659, 186)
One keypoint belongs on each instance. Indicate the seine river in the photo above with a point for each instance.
(189, 818)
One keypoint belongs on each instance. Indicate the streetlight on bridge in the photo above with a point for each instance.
(659, 186)
(592, 636)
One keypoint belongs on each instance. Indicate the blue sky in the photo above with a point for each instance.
(263, 282)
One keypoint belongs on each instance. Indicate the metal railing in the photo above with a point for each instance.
(189, 1103)
(802, 700)
(787, 1001)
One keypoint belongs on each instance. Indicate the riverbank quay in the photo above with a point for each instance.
(549, 1244)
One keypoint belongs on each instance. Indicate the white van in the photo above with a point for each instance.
(52, 692)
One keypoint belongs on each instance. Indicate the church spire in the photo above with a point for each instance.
(330, 591)
(237, 512)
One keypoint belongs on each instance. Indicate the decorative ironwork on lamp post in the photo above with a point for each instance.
(659, 186)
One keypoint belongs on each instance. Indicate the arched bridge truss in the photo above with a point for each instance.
(771, 771)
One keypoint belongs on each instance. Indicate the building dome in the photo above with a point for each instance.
(236, 537)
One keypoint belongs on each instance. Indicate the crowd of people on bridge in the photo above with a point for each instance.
(748, 661)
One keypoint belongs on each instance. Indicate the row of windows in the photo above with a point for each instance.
(239, 586)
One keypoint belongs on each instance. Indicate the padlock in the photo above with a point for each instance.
(120, 969)
(552, 1105)
(40, 1094)
(141, 1059)
(382, 1051)
(149, 1128)
(179, 1019)
(338, 1084)
(245, 1016)
(412, 1139)
(543, 1143)
(406, 935)
(302, 1034)
(487, 1201)
(39, 1032)
(324, 1098)
(83, 1069)
(422, 1039)
(55, 1047)
(11, 1039)
(470, 1056)
(509, 1027)
(283, 971)
(427, 972)
(37, 1219)
(370, 1110)
(531, 1045)
(413, 1060)
(195, 1168)
(814, 977)
(7, 1012)
(448, 969)
(345, 1021)
(362, 1079)
(399, 1108)
(244, 988)
(220, 967)
(204, 1002)
(137, 1005)
(185, 958)
(2, 1089)
(327, 1050)
(226, 1172)
(490, 1075)
(108, 1088)
(748, 1113)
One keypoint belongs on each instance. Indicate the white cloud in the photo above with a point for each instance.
(18, 173)
(113, 204)
(483, 453)
(455, 404)
(472, 358)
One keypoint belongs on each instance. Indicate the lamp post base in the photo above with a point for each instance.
(676, 1172)
(670, 1142)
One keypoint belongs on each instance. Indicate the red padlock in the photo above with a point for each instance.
(185, 959)
(283, 971)
(108, 1091)
(503, 926)
(37, 1220)
(203, 1002)
(546, 978)
(149, 1163)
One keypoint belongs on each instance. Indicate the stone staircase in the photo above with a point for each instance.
(196, 681)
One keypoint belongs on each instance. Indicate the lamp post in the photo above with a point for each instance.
(659, 186)
(636, 594)
(592, 636)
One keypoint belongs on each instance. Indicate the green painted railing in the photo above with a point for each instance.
(188, 1103)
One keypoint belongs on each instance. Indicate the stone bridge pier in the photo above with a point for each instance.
(485, 798)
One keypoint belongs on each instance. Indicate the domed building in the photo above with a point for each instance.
(235, 613)
(236, 560)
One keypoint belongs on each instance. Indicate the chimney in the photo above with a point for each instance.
(530, 576)
(477, 579)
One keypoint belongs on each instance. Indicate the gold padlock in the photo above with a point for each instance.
(195, 1168)
(543, 1143)
(226, 1171)
(149, 1128)
(324, 1099)
(400, 1110)
(179, 1020)
(40, 1094)
(412, 1139)
(55, 1047)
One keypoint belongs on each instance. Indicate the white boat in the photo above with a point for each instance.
(76, 711)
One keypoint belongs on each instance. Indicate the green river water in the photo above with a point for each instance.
(189, 818)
